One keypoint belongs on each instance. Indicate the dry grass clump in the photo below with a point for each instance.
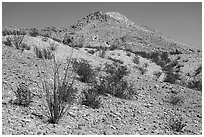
(176, 124)
(23, 95)
(44, 53)
(8, 41)
(17, 41)
(91, 98)
(136, 59)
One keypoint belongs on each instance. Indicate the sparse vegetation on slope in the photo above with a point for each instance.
(100, 91)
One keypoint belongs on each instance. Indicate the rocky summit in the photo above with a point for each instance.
(103, 75)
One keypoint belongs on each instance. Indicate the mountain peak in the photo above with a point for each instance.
(119, 17)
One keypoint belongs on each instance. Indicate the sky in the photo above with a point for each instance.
(179, 21)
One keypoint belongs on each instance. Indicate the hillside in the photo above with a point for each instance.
(137, 81)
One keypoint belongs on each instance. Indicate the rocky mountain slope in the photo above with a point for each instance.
(166, 79)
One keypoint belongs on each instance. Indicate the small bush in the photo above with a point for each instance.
(113, 47)
(175, 100)
(116, 60)
(47, 35)
(117, 71)
(74, 45)
(25, 46)
(176, 124)
(66, 93)
(45, 39)
(53, 47)
(17, 41)
(171, 77)
(56, 39)
(102, 52)
(128, 54)
(44, 53)
(8, 41)
(136, 59)
(109, 85)
(198, 70)
(23, 95)
(175, 52)
(84, 70)
(34, 32)
(141, 69)
(145, 65)
(91, 51)
(6, 31)
(195, 84)
(157, 74)
(91, 98)
(113, 83)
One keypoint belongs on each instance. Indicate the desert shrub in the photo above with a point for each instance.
(157, 74)
(175, 52)
(118, 88)
(23, 95)
(175, 100)
(113, 83)
(17, 41)
(163, 60)
(141, 69)
(116, 60)
(91, 51)
(8, 41)
(34, 32)
(154, 56)
(67, 40)
(143, 54)
(56, 39)
(53, 47)
(25, 46)
(47, 35)
(198, 70)
(18, 32)
(59, 92)
(172, 74)
(195, 84)
(145, 65)
(84, 70)
(102, 52)
(113, 47)
(128, 54)
(6, 31)
(66, 92)
(165, 57)
(76, 45)
(91, 98)
(45, 39)
(176, 123)
(171, 77)
(44, 53)
(136, 59)
(117, 71)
